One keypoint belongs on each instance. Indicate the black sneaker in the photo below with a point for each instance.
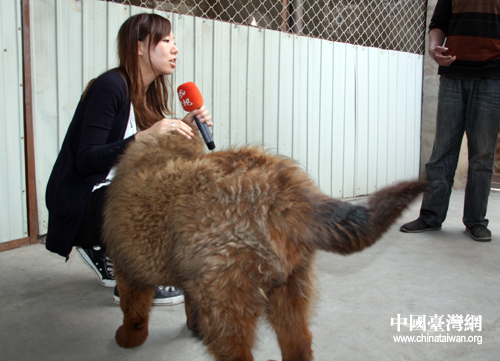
(164, 296)
(479, 233)
(417, 226)
(97, 260)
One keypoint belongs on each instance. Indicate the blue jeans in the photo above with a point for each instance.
(473, 107)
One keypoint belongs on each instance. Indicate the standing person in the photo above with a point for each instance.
(469, 101)
(120, 106)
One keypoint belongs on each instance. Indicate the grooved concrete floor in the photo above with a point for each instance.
(52, 310)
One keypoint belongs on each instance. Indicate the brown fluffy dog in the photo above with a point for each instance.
(237, 230)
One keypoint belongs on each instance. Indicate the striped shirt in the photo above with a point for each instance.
(472, 29)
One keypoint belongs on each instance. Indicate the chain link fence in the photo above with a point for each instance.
(386, 24)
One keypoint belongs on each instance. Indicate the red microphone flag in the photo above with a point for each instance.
(190, 96)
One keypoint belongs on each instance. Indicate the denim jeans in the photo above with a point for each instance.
(473, 107)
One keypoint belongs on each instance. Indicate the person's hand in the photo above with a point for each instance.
(436, 53)
(166, 126)
(202, 114)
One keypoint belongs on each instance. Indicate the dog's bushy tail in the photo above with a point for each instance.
(346, 228)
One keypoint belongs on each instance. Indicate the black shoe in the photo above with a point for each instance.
(479, 233)
(417, 226)
(164, 296)
(97, 260)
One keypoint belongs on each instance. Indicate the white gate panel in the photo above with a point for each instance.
(381, 87)
(313, 106)
(238, 89)
(203, 58)
(13, 209)
(95, 39)
(338, 119)
(362, 127)
(285, 110)
(116, 17)
(417, 115)
(409, 117)
(271, 89)
(373, 117)
(326, 85)
(392, 117)
(222, 84)
(299, 103)
(402, 90)
(183, 29)
(69, 55)
(349, 179)
(255, 81)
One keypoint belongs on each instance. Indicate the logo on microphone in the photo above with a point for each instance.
(186, 102)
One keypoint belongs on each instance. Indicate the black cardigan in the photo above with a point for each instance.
(93, 142)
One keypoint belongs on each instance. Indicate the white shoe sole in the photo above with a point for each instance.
(170, 301)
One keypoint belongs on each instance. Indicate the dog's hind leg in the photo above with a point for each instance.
(228, 333)
(227, 318)
(232, 337)
(289, 312)
(135, 304)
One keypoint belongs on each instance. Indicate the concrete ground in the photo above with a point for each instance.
(52, 310)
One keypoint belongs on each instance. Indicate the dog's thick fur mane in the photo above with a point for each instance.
(237, 230)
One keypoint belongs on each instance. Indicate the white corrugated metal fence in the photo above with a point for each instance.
(350, 115)
(13, 209)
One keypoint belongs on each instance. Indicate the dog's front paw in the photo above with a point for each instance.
(129, 338)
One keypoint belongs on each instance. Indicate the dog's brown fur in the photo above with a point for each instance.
(237, 230)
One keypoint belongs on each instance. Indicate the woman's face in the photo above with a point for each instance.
(163, 55)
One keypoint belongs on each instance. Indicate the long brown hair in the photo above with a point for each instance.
(154, 105)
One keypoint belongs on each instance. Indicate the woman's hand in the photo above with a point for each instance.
(183, 127)
(166, 126)
(202, 114)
